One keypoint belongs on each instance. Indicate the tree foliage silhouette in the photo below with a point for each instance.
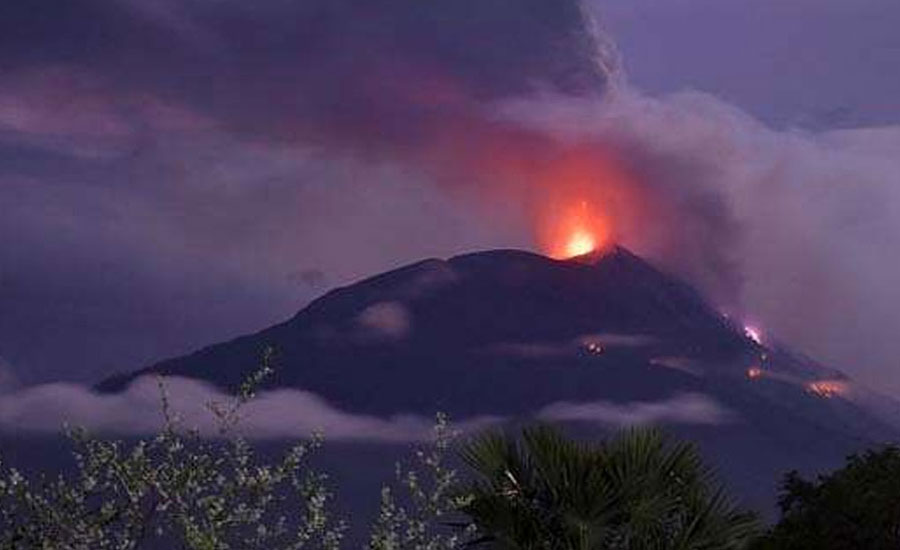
(637, 491)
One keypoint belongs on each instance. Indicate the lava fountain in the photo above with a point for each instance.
(580, 243)
(586, 202)
(579, 230)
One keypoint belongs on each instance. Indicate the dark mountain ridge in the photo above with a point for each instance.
(507, 332)
(465, 308)
(513, 334)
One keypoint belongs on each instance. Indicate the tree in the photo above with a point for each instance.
(637, 491)
(855, 507)
(175, 489)
(422, 510)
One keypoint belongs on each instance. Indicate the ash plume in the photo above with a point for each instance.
(163, 204)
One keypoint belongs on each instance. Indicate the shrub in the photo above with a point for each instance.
(857, 506)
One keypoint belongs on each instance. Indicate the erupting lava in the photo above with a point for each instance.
(580, 243)
(580, 230)
(584, 200)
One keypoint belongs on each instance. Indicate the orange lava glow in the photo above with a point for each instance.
(594, 348)
(584, 201)
(579, 230)
(580, 243)
(827, 388)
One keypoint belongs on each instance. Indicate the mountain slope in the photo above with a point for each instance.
(483, 310)
(592, 342)
(509, 332)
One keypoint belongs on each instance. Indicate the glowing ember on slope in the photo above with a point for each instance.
(754, 373)
(594, 348)
(827, 388)
(753, 333)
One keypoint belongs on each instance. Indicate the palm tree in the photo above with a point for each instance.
(636, 492)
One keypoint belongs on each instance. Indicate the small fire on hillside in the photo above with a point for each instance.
(754, 373)
(753, 333)
(827, 388)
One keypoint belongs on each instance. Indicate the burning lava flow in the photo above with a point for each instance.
(827, 388)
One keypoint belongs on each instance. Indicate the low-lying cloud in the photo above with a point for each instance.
(687, 408)
(385, 320)
(291, 413)
(138, 411)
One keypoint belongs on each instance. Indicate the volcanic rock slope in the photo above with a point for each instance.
(595, 341)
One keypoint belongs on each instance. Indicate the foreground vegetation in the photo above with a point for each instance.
(857, 506)
(538, 490)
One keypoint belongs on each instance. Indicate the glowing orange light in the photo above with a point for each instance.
(579, 230)
(586, 200)
(580, 243)
(594, 348)
(826, 388)
(754, 372)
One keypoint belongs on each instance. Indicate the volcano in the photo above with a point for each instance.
(593, 341)
(490, 332)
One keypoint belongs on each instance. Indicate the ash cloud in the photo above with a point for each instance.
(371, 73)
(793, 229)
(164, 204)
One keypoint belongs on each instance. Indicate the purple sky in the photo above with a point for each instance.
(174, 173)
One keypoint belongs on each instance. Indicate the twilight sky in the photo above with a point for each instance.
(177, 172)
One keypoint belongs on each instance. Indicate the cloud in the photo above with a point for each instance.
(174, 16)
(530, 350)
(290, 413)
(594, 343)
(137, 411)
(76, 112)
(617, 340)
(367, 74)
(687, 408)
(390, 320)
(683, 364)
